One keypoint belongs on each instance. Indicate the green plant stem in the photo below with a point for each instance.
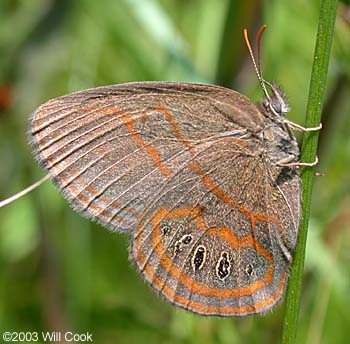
(309, 147)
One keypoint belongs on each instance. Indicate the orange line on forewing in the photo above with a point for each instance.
(67, 184)
(100, 210)
(77, 176)
(174, 126)
(208, 182)
(120, 206)
(107, 200)
(128, 121)
(178, 135)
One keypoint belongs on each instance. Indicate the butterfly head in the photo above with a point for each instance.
(276, 102)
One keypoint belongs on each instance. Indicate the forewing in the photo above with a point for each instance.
(109, 149)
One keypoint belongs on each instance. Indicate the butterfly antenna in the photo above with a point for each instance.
(256, 66)
(258, 45)
(23, 192)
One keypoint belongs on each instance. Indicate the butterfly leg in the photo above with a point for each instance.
(299, 127)
(287, 162)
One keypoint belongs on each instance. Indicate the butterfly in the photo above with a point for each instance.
(205, 181)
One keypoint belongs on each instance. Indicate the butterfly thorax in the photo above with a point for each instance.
(279, 144)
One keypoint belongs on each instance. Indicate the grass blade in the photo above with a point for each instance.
(309, 147)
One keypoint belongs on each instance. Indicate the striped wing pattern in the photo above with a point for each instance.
(180, 167)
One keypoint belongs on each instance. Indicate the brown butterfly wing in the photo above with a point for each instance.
(109, 148)
(170, 162)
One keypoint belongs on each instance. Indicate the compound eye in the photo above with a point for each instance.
(277, 102)
(276, 107)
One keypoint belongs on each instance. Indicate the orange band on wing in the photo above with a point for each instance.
(207, 181)
(94, 208)
(207, 309)
(188, 282)
(128, 121)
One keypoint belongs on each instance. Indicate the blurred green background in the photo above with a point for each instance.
(58, 271)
